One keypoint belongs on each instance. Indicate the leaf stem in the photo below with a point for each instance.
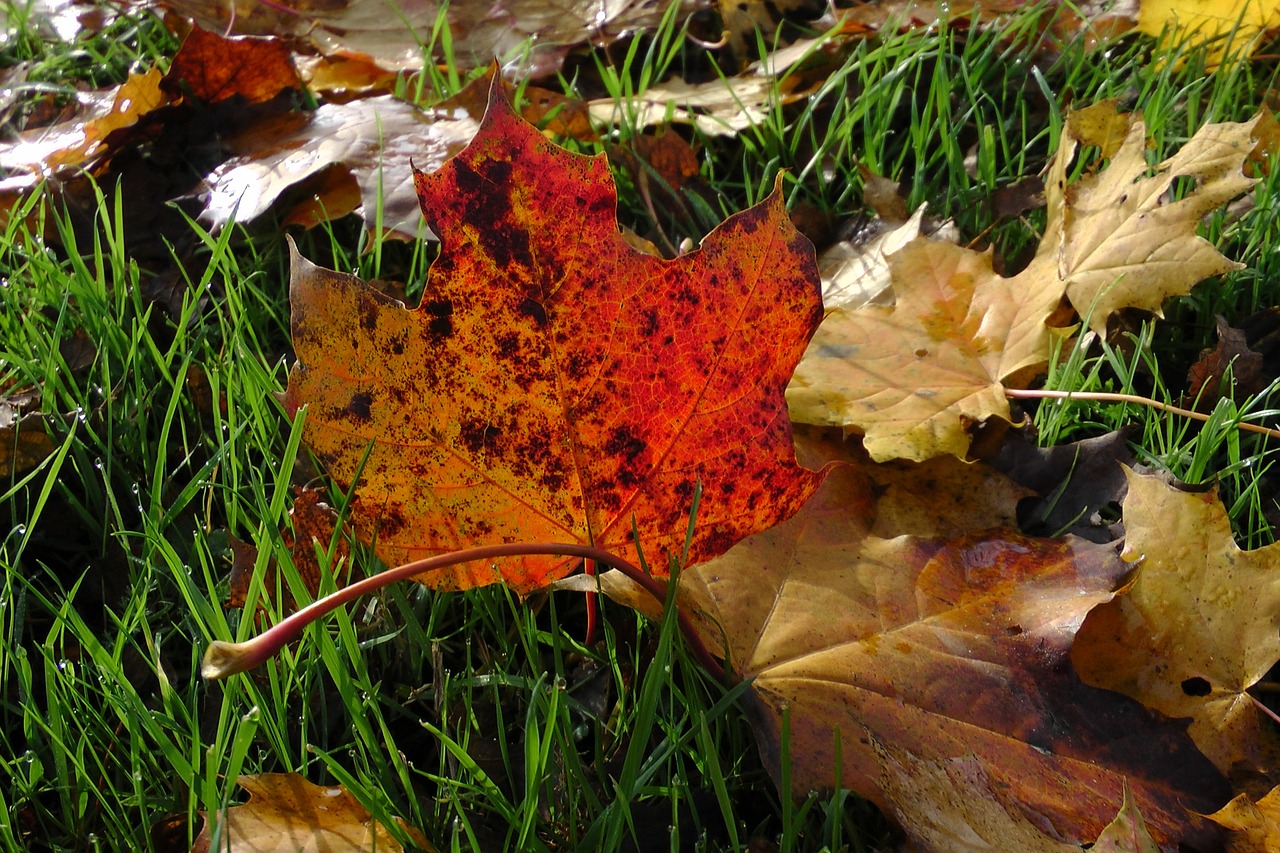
(222, 659)
(1111, 397)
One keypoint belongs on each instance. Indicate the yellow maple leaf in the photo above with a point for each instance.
(1225, 26)
(914, 377)
(1197, 627)
(1125, 245)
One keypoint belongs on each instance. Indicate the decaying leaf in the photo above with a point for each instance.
(948, 650)
(558, 390)
(394, 37)
(370, 142)
(1231, 369)
(1197, 627)
(914, 377)
(287, 814)
(1075, 482)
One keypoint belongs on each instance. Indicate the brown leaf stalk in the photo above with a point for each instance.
(222, 659)
(1112, 397)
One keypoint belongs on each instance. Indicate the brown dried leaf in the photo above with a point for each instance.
(213, 68)
(393, 36)
(1230, 370)
(313, 523)
(287, 814)
(373, 139)
(944, 649)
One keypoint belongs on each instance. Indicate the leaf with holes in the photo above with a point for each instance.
(1196, 629)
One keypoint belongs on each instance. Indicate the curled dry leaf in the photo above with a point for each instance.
(914, 377)
(556, 384)
(1196, 629)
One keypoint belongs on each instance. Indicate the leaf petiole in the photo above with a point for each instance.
(223, 659)
(1113, 397)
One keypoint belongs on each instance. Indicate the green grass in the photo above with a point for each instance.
(480, 719)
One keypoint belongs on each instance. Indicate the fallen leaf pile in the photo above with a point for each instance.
(315, 105)
(902, 637)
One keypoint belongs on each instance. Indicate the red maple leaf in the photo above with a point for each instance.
(556, 384)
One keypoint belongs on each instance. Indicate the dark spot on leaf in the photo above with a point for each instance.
(532, 308)
(358, 408)
(1196, 687)
(650, 321)
(684, 491)
(477, 437)
(391, 522)
(369, 316)
(624, 443)
(508, 345)
(440, 312)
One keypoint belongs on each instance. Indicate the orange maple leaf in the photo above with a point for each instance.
(556, 384)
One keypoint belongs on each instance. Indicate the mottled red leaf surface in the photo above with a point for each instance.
(556, 384)
(213, 68)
